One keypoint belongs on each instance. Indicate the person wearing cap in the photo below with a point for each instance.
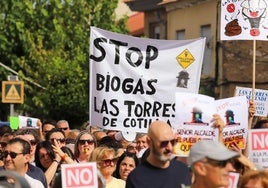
(160, 169)
(211, 163)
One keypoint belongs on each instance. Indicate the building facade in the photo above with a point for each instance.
(226, 64)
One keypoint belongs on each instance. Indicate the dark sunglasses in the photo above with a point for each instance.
(33, 142)
(61, 140)
(108, 162)
(64, 128)
(220, 164)
(165, 143)
(89, 141)
(12, 154)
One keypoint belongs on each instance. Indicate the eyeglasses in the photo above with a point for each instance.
(108, 162)
(64, 128)
(61, 140)
(220, 164)
(33, 142)
(165, 143)
(89, 141)
(12, 154)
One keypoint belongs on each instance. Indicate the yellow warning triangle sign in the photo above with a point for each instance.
(12, 93)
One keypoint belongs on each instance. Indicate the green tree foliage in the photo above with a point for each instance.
(47, 41)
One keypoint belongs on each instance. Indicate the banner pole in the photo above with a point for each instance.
(254, 70)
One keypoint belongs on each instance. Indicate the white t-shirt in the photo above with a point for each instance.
(34, 183)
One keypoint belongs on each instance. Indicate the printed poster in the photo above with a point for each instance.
(193, 114)
(260, 99)
(244, 20)
(81, 175)
(234, 113)
(258, 147)
(133, 80)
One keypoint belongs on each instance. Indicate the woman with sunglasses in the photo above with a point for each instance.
(125, 164)
(56, 135)
(44, 155)
(85, 143)
(49, 158)
(106, 162)
(45, 159)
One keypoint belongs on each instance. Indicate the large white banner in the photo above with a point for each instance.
(244, 20)
(133, 81)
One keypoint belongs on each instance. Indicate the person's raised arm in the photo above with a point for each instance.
(40, 130)
(251, 112)
(218, 123)
(60, 156)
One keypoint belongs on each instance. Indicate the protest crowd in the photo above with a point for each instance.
(147, 160)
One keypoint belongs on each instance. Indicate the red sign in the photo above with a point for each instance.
(79, 175)
(259, 140)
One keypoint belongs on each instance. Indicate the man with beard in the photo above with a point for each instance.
(160, 169)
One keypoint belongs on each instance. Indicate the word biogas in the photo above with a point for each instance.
(127, 85)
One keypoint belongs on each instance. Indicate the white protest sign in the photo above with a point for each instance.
(244, 20)
(28, 122)
(260, 99)
(258, 147)
(133, 80)
(193, 114)
(82, 175)
(234, 113)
